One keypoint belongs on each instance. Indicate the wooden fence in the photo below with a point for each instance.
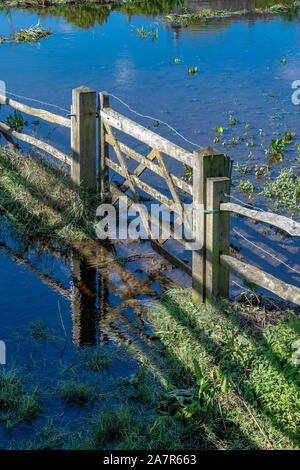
(209, 193)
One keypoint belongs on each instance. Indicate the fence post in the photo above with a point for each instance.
(103, 146)
(217, 238)
(208, 163)
(83, 136)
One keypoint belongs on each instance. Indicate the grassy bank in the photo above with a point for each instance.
(222, 377)
(42, 201)
(187, 17)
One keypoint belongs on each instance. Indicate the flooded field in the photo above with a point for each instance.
(84, 310)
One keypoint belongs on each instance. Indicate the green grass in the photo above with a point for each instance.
(96, 359)
(74, 393)
(42, 201)
(17, 405)
(245, 369)
(212, 378)
(128, 427)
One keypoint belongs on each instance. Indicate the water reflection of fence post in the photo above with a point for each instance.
(83, 301)
(103, 291)
(83, 136)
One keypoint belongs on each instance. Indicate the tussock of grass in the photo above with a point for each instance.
(16, 404)
(96, 359)
(42, 201)
(39, 331)
(77, 393)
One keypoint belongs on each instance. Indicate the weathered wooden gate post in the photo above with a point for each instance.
(208, 163)
(83, 136)
(217, 238)
(103, 146)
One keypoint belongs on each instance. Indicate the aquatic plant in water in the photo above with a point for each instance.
(30, 35)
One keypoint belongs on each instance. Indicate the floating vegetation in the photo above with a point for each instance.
(143, 33)
(192, 70)
(232, 121)
(219, 130)
(288, 137)
(277, 145)
(189, 17)
(31, 35)
(16, 121)
(281, 189)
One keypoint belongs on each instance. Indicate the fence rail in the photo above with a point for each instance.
(41, 113)
(283, 223)
(210, 201)
(146, 136)
(261, 278)
(8, 131)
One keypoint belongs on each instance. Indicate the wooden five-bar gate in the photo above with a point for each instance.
(210, 204)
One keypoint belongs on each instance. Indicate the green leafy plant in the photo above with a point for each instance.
(277, 145)
(192, 70)
(288, 137)
(283, 191)
(16, 121)
(184, 404)
(188, 172)
(232, 121)
(219, 130)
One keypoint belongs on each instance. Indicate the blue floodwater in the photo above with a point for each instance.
(241, 72)
(238, 60)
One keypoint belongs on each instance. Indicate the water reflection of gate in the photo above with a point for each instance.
(103, 306)
(98, 275)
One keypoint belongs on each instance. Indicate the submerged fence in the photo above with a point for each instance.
(210, 192)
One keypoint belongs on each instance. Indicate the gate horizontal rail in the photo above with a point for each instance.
(210, 201)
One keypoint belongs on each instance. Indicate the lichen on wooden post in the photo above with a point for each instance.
(217, 238)
(83, 137)
(208, 163)
(103, 169)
